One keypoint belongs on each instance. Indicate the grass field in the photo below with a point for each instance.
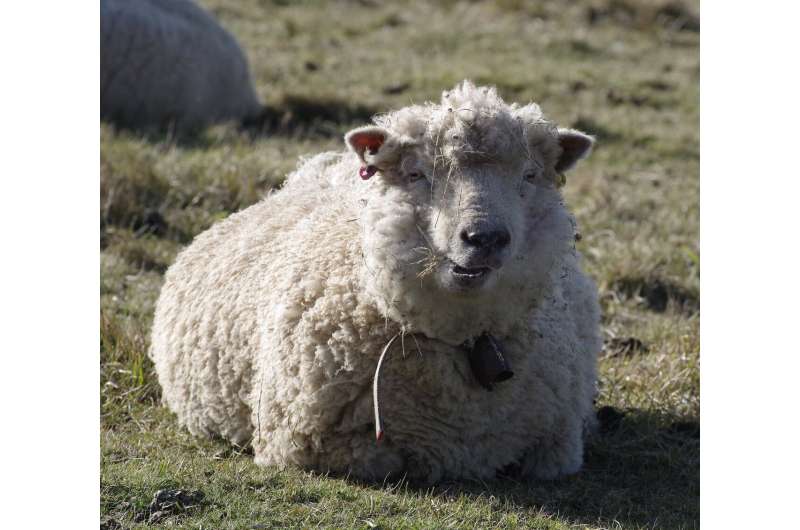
(624, 70)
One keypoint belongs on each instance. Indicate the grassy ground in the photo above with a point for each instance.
(625, 70)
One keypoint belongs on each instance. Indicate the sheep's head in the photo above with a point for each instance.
(463, 221)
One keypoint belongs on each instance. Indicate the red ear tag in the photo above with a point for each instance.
(366, 172)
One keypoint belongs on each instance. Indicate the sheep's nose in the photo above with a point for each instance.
(486, 239)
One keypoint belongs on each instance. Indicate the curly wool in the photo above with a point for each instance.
(269, 325)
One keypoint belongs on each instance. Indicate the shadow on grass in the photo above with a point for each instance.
(642, 472)
(308, 117)
(294, 115)
(604, 134)
(657, 293)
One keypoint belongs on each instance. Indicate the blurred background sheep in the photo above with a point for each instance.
(169, 64)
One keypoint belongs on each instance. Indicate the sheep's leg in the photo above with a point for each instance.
(556, 454)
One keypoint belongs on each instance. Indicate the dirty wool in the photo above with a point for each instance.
(438, 229)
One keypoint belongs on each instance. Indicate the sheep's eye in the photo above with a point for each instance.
(415, 175)
(531, 176)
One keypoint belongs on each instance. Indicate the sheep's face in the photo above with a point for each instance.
(462, 203)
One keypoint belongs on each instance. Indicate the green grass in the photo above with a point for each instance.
(625, 70)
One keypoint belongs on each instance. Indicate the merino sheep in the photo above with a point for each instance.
(440, 233)
(168, 63)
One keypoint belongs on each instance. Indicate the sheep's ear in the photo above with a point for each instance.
(366, 141)
(574, 146)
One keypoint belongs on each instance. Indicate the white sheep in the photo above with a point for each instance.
(439, 235)
(168, 63)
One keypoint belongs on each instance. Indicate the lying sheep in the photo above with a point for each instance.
(439, 247)
(168, 63)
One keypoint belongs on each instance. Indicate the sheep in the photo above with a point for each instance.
(423, 283)
(169, 64)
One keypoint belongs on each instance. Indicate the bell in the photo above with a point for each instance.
(488, 363)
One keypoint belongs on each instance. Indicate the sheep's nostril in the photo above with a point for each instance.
(502, 239)
(472, 238)
(486, 239)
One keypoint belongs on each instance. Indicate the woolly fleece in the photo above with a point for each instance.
(270, 324)
(168, 63)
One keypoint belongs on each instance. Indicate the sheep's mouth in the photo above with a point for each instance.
(464, 279)
(470, 272)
